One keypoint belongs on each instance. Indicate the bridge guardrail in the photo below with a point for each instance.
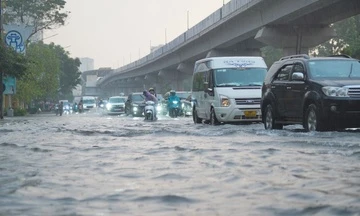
(209, 21)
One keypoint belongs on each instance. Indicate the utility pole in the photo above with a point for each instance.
(1, 69)
(187, 23)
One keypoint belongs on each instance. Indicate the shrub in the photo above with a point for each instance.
(19, 112)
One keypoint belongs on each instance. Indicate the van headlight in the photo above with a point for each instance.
(224, 101)
(108, 106)
(335, 91)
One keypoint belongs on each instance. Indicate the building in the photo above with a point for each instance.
(87, 64)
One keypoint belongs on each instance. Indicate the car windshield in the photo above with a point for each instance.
(232, 77)
(117, 100)
(320, 69)
(138, 97)
(89, 101)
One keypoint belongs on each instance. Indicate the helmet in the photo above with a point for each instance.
(152, 90)
(172, 92)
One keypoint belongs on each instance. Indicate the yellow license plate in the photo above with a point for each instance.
(250, 114)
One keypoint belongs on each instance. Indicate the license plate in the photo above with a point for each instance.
(250, 113)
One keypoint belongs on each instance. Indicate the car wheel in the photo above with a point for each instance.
(312, 120)
(213, 119)
(196, 119)
(269, 121)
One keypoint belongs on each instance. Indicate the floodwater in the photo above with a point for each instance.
(95, 164)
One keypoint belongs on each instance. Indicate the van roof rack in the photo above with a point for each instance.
(341, 55)
(295, 56)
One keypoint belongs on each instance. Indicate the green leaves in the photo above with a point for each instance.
(347, 40)
(41, 14)
(12, 63)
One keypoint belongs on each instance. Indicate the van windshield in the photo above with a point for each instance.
(320, 69)
(232, 77)
(89, 101)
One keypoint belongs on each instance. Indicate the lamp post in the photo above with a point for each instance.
(188, 20)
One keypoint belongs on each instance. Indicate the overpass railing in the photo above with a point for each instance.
(192, 33)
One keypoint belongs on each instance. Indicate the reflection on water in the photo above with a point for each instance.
(94, 164)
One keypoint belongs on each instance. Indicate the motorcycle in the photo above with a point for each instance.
(174, 108)
(149, 111)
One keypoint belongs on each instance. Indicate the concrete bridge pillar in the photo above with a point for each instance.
(295, 39)
(172, 79)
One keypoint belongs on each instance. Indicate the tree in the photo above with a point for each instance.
(41, 80)
(40, 14)
(271, 54)
(347, 40)
(12, 63)
(69, 71)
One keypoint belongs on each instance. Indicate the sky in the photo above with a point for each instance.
(117, 32)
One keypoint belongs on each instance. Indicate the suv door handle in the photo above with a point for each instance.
(289, 87)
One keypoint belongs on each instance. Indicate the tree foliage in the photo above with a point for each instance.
(12, 63)
(41, 14)
(347, 40)
(69, 70)
(42, 76)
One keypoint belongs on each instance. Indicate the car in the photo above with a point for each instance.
(116, 105)
(135, 104)
(320, 93)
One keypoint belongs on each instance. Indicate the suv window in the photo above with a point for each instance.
(284, 73)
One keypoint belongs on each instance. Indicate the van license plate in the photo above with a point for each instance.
(250, 114)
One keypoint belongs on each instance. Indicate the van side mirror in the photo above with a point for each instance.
(297, 76)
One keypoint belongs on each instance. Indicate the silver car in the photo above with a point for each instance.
(116, 105)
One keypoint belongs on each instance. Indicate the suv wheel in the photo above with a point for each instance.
(213, 119)
(196, 119)
(312, 121)
(269, 122)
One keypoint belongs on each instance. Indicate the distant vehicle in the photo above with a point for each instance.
(228, 89)
(135, 104)
(321, 93)
(116, 105)
(89, 102)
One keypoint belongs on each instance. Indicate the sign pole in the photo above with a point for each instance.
(1, 69)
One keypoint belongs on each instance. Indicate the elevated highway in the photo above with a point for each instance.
(241, 27)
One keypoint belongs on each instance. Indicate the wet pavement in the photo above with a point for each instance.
(95, 164)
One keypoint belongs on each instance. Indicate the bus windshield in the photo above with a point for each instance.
(233, 77)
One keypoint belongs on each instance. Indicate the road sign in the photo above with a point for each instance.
(10, 85)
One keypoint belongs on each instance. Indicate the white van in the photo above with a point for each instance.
(228, 89)
(89, 102)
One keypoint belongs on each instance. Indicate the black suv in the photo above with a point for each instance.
(321, 93)
(135, 104)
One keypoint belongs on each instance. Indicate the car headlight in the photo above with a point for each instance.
(175, 102)
(224, 101)
(159, 108)
(182, 105)
(108, 106)
(135, 109)
(335, 91)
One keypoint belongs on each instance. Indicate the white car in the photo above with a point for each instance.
(116, 105)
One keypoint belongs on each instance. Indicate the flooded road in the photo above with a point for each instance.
(94, 164)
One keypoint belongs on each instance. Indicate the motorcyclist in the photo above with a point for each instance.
(150, 97)
(173, 97)
(152, 91)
